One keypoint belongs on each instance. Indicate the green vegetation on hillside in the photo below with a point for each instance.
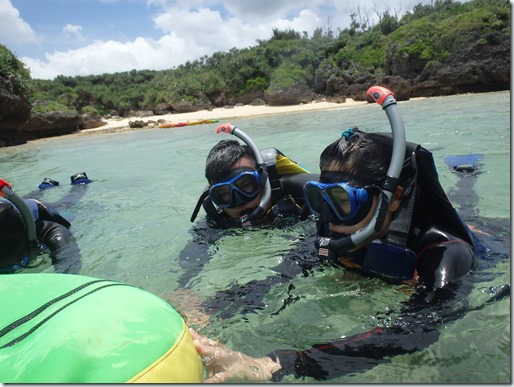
(14, 71)
(288, 59)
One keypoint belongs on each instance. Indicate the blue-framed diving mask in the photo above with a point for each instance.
(240, 189)
(339, 202)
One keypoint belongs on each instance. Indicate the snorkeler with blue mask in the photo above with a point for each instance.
(382, 210)
(247, 187)
(250, 186)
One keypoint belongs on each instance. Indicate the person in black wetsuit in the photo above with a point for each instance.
(29, 228)
(245, 188)
(417, 237)
(241, 182)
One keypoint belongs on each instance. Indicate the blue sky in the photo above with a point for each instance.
(84, 37)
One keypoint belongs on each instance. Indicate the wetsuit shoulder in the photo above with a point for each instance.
(53, 235)
(49, 214)
(442, 258)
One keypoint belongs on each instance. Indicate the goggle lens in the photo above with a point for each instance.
(340, 199)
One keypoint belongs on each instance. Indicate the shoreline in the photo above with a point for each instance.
(230, 113)
(222, 114)
(121, 125)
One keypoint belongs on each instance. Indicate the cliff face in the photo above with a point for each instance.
(481, 65)
(14, 111)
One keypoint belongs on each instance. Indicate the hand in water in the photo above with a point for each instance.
(225, 365)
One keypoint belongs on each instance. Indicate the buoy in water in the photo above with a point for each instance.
(62, 328)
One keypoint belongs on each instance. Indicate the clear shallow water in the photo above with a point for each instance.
(134, 221)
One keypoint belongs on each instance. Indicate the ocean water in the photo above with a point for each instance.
(133, 222)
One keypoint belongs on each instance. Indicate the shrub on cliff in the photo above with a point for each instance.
(15, 72)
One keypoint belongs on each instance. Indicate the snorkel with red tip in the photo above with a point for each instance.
(385, 98)
(266, 197)
(7, 192)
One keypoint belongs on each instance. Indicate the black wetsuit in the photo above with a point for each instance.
(289, 207)
(442, 261)
(417, 327)
(52, 232)
(441, 296)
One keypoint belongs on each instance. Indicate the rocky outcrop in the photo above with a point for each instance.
(14, 111)
(479, 66)
(161, 109)
(90, 122)
(188, 107)
(290, 96)
(50, 124)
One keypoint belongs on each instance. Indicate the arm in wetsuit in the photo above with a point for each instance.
(247, 298)
(52, 230)
(195, 255)
(441, 297)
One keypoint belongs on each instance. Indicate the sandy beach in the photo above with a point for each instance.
(222, 114)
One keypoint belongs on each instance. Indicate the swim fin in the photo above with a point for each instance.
(465, 164)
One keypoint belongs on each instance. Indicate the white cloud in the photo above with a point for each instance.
(110, 57)
(192, 29)
(74, 30)
(13, 29)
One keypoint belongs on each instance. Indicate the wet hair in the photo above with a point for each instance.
(363, 158)
(221, 158)
(12, 234)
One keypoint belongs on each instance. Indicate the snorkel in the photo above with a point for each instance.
(7, 192)
(246, 219)
(385, 98)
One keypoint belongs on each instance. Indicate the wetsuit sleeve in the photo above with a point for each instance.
(247, 298)
(353, 354)
(63, 247)
(443, 259)
(75, 193)
(414, 330)
(293, 185)
(442, 264)
(195, 255)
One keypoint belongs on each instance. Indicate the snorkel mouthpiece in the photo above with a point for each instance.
(385, 98)
(246, 219)
(7, 192)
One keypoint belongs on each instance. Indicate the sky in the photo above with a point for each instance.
(88, 37)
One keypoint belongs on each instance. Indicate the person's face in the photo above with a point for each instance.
(236, 212)
(337, 228)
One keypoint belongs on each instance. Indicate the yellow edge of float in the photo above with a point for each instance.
(178, 364)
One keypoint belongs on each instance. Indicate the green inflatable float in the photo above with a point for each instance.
(62, 328)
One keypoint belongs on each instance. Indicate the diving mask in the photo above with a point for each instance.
(238, 190)
(348, 205)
